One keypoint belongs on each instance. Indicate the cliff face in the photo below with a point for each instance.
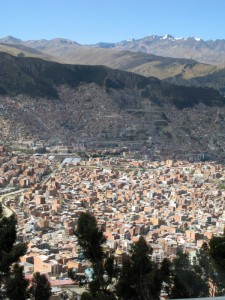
(102, 107)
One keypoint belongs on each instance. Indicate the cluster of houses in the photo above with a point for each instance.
(173, 204)
(22, 171)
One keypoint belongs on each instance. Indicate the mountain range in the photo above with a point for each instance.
(209, 52)
(161, 57)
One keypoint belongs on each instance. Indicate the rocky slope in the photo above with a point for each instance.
(215, 80)
(102, 107)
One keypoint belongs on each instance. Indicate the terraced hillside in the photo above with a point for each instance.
(101, 106)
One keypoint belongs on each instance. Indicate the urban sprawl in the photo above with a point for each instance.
(173, 204)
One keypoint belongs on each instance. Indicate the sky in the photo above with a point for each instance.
(92, 21)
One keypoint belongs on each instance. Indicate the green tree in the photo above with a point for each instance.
(75, 276)
(139, 277)
(10, 250)
(40, 287)
(110, 269)
(91, 239)
(166, 276)
(186, 282)
(141, 265)
(125, 288)
(86, 296)
(72, 274)
(205, 267)
(217, 255)
(99, 296)
(217, 250)
(21, 54)
(16, 285)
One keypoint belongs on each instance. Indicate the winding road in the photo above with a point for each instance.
(7, 211)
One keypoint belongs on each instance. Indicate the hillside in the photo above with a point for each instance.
(215, 80)
(20, 50)
(147, 64)
(105, 107)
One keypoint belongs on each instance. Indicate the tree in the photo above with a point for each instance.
(110, 270)
(141, 265)
(205, 267)
(186, 282)
(40, 287)
(21, 54)
(139, 277)
(98, 296)
(166, 275)
(75, 276)
(10, 250)
(72, 274)
(91, 239)
(217, 255)
(86, 296)
(16, 285)
(125, 287)
(217, 250)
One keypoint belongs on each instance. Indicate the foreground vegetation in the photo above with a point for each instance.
(13, 284)
(138, 278)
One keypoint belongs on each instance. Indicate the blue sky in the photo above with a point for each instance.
(92, 21)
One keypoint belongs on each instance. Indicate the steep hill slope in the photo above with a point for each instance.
(21, 50)
(103, 106)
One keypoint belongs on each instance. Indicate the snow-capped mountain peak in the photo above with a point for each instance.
(168, 36)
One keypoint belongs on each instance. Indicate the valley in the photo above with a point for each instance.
(128, 138)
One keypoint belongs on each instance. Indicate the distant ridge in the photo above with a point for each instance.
(209, 51)
(11, 40)
(118, 56)
(204, 51)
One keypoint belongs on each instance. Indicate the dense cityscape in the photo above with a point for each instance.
(173, 204)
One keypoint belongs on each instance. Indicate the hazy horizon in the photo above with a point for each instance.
(90, 22)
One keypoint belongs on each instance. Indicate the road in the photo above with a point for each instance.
(7, 211)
